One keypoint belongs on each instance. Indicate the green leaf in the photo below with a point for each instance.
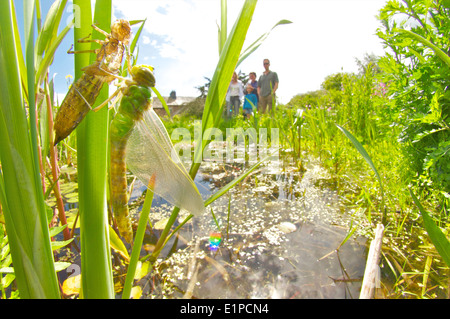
(117, 243)
(7, 270)
(56, 230)
(437, 237)
(60, 244)
(7, 280)
(418, 55)
(255, 45)
(366, 156)
(223, 29)
(348, 236)
(215, 219)
(92, 134)
(234, 182)
(361, 150)
(20, 186)
(212, 113)
(138, 240)
(43, 65)
(133, 44)
(60, 265)
(161, 99)
(20, 56)
(50, 27)
(441, 54)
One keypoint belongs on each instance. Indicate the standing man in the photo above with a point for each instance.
(267, 86)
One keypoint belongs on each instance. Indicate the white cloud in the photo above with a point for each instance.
(184, 36)
(146, 39)
(325, 36)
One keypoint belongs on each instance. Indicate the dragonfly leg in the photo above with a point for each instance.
(96, 109)
(70, 51)
(85, 40)
(88, 40)
(106, 34)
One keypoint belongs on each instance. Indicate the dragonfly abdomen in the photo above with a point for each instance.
(119, 189)
(134, 102)
(76, 105)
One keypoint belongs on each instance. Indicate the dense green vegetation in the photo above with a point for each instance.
(396, 108)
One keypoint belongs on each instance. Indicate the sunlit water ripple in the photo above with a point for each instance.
(282, 238)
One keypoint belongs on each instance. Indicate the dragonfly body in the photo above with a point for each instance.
(86, 89)
(134, 103)
(139, 141)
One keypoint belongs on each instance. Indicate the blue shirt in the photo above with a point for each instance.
(250, 98)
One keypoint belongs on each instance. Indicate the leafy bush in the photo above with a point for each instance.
(417, 33)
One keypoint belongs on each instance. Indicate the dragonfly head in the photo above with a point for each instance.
(121, 30)
(143, 75)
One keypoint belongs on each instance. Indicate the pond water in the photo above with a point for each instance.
(279, 234)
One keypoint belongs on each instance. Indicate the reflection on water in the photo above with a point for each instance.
(280, 241)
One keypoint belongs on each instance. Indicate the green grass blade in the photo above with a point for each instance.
(92, 136)
(255, 45)
(234, 182)
(50, 28)
(45, 62)
(161, 99)
(437, 237)
(223, 29)
(441, 54)
(229, 57)
(138, 240)
(348, 236)
(363, 153)
(226, 66)
(133, 46)
(20, 56)
(22, 197)
(212, 113)
(215, 219)
(367, 158)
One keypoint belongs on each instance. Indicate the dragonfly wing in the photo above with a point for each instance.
(150, 152)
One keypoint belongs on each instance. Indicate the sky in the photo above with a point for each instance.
(180, 41)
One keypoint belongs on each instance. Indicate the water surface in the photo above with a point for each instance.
(280, 242)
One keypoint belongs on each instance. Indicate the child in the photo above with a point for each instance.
(250, 101)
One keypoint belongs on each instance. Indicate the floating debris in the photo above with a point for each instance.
(287, 227)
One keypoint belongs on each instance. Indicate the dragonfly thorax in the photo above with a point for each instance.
(143, 76)
(121, 31)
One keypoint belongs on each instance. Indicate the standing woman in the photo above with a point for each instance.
(234, 96)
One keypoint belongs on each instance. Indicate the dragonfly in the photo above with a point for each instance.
(85, 90)
(139, 140)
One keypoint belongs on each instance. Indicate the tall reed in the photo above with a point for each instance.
(21, 192)
(92, 134)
